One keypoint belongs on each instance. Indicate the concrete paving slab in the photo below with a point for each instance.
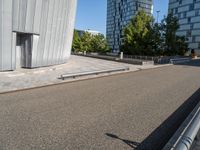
(30, 78)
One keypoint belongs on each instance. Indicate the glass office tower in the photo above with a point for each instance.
(119, 14)
(188, 13)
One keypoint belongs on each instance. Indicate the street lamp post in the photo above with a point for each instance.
(158, 12)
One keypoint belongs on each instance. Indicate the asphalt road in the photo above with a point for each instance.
(139, 110)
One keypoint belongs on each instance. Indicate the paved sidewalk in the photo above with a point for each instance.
(29, 78)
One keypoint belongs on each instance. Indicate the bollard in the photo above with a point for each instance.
(84, 53)
(121, 55)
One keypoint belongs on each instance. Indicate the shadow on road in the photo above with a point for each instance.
(129, 143)
(160, 136)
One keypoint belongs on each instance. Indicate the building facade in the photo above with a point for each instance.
(92, 32)
(35, 33)
(188, 13)
(119, 14)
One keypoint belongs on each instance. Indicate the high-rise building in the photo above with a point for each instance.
(119, 14)
(188, 13)
(35, 33)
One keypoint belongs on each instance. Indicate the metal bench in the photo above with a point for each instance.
(79, 74)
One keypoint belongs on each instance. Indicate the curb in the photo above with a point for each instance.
(83, 79)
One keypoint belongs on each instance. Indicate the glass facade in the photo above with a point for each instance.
(188, 13)
(119, 14)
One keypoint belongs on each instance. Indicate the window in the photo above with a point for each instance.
(184, 15)
(191, 7)
(191, 26)
(189, 20)
(176, 10)
(189, 33)
(196, 12)
(193, 39)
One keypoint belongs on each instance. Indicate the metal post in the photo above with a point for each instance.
(84, 53)
(158, 12)
(121, 55)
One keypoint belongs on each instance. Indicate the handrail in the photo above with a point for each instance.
(190, 133)
(184, 138)
(78, 74)
(172, 61)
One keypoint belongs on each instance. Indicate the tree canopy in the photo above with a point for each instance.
(89, 43)
(142, 36)
(173, 44)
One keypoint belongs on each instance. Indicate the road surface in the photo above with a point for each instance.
(139, 110)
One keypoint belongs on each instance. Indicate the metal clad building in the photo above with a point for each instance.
(35, 33)
(188, 13)
(119, 14)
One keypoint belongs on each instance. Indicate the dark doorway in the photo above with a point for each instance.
(24, 50)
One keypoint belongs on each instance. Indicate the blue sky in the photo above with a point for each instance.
(91, 14)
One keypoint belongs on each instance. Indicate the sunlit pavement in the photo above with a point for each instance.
(137, 109)
(28, 78)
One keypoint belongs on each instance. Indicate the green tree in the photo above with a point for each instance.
(76, 42)
(99, 44)
(182, 46)
(86, 39)
(157, 41)
(138, 35)
(173, 44)
(89, 43)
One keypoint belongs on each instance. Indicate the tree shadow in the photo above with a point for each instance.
(128, 142)
(161, 135)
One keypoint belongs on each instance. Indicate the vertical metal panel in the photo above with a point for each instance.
(14, 38)
(22, 15)
(57, 37)
(30, 14)
(66, 32)
(56, 34)
(51, 60)
(45, 7)
(7, 35)
(70, 30)
(34, 49)
(37, 17)
(60, 31)
(1, 36)
(48, 32)
(15, 17)
(62, 37)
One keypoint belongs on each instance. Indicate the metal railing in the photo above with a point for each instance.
(179, 60)
(95, 72)
(155, 59)
(189, 137)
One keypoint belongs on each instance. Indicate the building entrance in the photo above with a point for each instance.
(24, 50)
